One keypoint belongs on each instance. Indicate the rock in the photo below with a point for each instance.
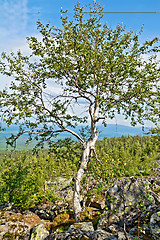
(61, 187)
(3, 230)
(67, 236)
(31, 220)
(78, 233)
(6, 206)
(45, 211)
(113, 228)
(121, 236)
(45, 214)
(66, 194)
(128, 201)
(155, 225)
(107, 220)
(39, 232)
(96, 202)
(60, 207)
(102, 235)
(13, 226)
(50, 211)
(17, 225)
(84, 226)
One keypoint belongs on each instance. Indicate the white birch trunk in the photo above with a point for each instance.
(90, 144)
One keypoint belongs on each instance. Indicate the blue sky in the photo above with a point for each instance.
(18, 19)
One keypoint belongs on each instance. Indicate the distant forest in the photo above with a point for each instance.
(112, 130)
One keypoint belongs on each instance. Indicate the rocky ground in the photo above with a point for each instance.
(130, 209)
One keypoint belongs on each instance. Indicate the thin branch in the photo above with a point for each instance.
(95, 154)
(46, 132)
(75, 134)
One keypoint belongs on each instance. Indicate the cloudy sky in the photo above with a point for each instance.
(18, 19)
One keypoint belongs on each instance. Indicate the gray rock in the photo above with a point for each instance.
(39, 232)
(49, 212)
(155, 225)
(58, 236)
(102, 235)
(81, 234)
(59, 184)
(83, 226)
(123, 202)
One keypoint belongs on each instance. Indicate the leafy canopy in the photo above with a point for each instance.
(102, 69)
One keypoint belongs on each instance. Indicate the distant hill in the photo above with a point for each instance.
(111, 130)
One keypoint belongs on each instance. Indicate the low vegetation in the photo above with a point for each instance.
(23, 175)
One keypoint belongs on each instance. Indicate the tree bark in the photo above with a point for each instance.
(87, 147)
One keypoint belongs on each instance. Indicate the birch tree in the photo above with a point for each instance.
(98, 72)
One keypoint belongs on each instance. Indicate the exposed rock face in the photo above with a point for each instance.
(130, 204)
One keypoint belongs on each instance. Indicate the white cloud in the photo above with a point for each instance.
(13, 20)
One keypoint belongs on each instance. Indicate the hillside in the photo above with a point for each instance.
(111, 130)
